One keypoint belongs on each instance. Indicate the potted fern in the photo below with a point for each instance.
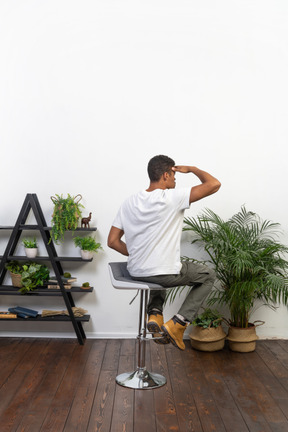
(250, 266)
(87, 245)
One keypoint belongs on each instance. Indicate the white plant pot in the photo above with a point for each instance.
(31, 252)
(86, 255)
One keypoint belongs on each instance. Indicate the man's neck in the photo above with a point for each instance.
(156, 185)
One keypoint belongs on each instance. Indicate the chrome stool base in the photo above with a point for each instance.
(141, 379)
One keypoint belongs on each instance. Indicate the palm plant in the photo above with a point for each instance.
(248, 260)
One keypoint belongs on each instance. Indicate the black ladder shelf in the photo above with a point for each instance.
(31, 203)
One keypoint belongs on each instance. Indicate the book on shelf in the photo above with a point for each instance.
(23, 312)
(5, 315)
(68, 280)
(55, 286)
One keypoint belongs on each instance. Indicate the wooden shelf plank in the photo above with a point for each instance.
(45, 258)
(65, 318)
(36, 227)
(10, 290)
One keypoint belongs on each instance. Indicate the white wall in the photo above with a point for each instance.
(90, 90)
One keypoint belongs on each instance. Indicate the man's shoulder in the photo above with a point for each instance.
(133, 198)
(180, 191)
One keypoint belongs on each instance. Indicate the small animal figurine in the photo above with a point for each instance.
(85, 221)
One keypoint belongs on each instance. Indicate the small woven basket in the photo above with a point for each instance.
(210, 339)
(16, 280)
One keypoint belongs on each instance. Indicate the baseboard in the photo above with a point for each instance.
(265, 335)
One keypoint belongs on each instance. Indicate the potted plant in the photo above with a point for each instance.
(87, 245)
(30, 275)
(15, 269)
(249, 263)
(30, 247)
(207, 333)
(86, 286)
(66, 214)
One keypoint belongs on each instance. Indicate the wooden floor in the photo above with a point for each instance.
(57, 385)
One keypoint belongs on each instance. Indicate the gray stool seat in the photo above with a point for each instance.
(140, 378)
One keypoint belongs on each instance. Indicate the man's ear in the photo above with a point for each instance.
(165, 176)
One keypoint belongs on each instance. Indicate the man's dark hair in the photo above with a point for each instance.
(158, 165)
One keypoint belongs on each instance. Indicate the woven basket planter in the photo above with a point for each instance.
(209, 339)
(16, 280)
(242, 339)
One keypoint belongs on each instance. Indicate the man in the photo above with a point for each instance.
(152, 223)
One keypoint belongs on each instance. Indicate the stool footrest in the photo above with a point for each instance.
(142, 338)
(141, 379)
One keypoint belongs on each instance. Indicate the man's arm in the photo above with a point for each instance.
(209, 185)
(115, 242)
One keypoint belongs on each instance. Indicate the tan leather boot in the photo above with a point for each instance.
(175, 331)
(155, 321)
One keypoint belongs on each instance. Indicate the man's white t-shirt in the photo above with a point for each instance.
(152, 223)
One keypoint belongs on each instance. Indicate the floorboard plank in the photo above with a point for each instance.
(61, 404)
(240, 381)
(200, 388)
(144, 412)
(111, 357)
(185, 405)
(34, 416)
(273, 375)
(122, 417)
(229, 411)
(78, 418)
(11, 354)
(283, 344)
(29, 387)
(20, 383)
(102, 408)
(164, 402)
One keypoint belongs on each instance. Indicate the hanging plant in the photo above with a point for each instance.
(66, 214)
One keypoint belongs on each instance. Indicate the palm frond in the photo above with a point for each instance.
(172, 293)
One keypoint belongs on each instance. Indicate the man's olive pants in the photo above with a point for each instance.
(198, 276)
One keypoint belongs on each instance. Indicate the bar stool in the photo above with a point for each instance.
(140, 378)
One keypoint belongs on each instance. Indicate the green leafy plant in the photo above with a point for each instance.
(210, 318)
(66, 214)
(86, 285)
(14, 267)
(87, 243)
(32, 274)
(247, 258)
(30, 243)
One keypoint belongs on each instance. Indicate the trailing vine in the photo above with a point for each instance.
(66, 214)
